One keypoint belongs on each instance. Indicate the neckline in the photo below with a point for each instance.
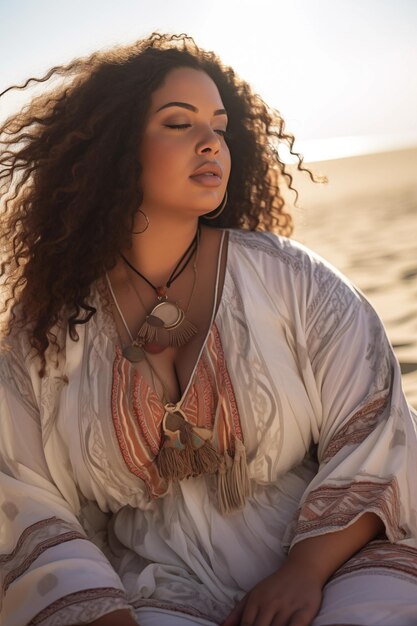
(214, 314)
(217, 304)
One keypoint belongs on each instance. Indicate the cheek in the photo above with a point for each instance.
(158, 159)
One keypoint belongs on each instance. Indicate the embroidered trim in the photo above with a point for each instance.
(228, 385)
(132, 445)
(33, 542)
(360, 425)
(81, 607)
(381, 554)
(209, 403)
(331, 507)
(142, 398)
(272, 244)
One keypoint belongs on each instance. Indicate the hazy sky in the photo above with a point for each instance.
(333, 68)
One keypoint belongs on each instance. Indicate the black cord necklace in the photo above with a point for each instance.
(186, 258)
(166, 324)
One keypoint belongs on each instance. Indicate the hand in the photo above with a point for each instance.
(289, 597)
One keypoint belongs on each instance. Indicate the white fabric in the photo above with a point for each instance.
(369, 599)
(328, 435)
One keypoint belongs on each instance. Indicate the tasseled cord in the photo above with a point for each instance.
(187, 451)
(233, 483)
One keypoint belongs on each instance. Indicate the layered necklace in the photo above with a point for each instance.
(187, 448)
(166, 324)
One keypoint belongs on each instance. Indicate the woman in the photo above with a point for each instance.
(202, 421)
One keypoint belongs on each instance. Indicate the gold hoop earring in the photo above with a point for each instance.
(139, 232)
(219, 211)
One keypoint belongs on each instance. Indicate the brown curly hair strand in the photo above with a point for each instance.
(69, 175)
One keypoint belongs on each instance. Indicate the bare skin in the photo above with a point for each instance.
(173, 204)
(292, 596)
(174, 365)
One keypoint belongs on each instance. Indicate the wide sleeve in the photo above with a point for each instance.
(365, 434)
(50, 572)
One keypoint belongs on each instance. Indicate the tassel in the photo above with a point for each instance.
(199, 454)
(150, 332)
(170, 464)
(186, 450)
(233, 482)
(240, 467)
(222, 486)
(147, 333)
(182, 333)
(206, 459)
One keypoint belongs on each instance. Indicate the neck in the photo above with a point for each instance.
(156, 251)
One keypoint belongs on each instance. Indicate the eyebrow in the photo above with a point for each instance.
(190, 107)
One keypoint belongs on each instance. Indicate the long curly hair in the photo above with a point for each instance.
(69, 175)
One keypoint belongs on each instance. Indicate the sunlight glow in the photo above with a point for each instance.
(314, 150)
(339, 85)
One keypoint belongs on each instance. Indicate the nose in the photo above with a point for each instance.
(209, 143)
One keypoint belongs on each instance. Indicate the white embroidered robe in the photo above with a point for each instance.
(328, 434)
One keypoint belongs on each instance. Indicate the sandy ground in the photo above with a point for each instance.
(364, 221)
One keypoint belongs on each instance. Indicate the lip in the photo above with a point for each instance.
(209, 166)
(206, 181)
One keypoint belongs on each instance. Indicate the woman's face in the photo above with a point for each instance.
(169, 156)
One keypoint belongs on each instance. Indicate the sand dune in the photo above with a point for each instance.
(365, 223)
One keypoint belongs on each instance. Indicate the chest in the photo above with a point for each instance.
(170, 371)
(257, 370)
(119, 423)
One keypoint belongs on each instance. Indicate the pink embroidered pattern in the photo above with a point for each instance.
(361, 424)
(34, 541)
(118, 400)
(142, 399)
(382, 554)
(81, 605)
(137, 412)
(331, 507)
(224, 375)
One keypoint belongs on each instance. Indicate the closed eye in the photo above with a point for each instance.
(223, 133)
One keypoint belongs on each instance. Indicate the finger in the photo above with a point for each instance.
(271, 618)
(282, 618)
(233, 619)
(302, 617)
(249, 614)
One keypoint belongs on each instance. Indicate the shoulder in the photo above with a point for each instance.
(286, 266)
(20, 360)
(255, 243)
(269, 247)
(18, 374)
